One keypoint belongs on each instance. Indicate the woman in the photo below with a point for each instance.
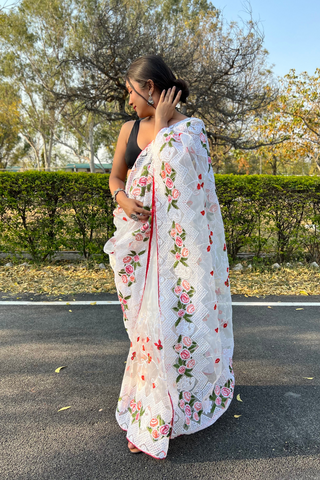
(171, 267)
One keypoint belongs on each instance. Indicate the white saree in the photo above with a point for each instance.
(172, 279)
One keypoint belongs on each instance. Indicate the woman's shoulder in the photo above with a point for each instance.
(190, 123)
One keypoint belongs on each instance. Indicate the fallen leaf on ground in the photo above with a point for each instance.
(238, 398)
(63, 408)
(57, 370)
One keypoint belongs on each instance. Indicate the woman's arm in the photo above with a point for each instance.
(119, 168)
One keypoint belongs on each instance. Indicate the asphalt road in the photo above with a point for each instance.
(277, 435)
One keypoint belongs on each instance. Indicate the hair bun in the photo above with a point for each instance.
(182, 85)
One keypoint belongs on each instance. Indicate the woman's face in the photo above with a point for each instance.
(139, 104)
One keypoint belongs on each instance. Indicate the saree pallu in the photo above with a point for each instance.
(172, 280)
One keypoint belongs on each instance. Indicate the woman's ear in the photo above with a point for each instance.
(151, 87)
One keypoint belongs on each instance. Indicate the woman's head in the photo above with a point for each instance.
(150, 73)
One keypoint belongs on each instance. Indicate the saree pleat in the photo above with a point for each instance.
(172, 279)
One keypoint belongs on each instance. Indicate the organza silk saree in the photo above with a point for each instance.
(172, 280)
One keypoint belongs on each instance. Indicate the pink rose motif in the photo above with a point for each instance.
(136, 192)
(213, 207)
(182, 404)
(136, 258)
(217, 390)
(178, 256)
(124, 301)
(129, 269)
(188, 411)
(187, 341)
(209, 160)
(196, 416)
(163, 174)
(139, 237)
(184, 297)
(178, 228)
(186, 285)
(124, 278)
(185, 252)
(202, 137)
(132, 402)
(178, 290)
(153, 422)
(164, 430)
(132, 278)
(179, 241)
(225, 391)
(144, 227)
(149, 179)
(187, 396)
(191, 363)
(139, 405)
(187, 421)
(175, 193)
(155, 434)
(185, 354)
(168, 168)
(177, 137)
(181, 313)
(218, 401)
(169, 198)
(168, 138)
(169, 183)
(127, 259)
(137, 416)
(178, 347)
(134, 408)
(232, 385)
(190, 309)
(134, 183)
(122, 308)
(181, 370)
(197, 406)
(143, 181)
(173, 233)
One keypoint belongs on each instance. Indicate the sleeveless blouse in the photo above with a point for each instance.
(132, 150)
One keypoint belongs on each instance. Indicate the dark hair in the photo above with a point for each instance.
(154, 68)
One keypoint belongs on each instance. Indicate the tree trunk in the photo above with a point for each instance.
(91, 145)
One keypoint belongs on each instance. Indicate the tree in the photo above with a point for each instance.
(9, 125)
(225, 66)
(300, 101)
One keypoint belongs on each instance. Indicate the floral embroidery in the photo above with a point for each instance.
(142, 234)
(169, 138)
(180, 252)
(220, 396)
(124, 303)
(158, 428)
(168, 175)
(142, 184)
(136, 411)
(131, 262)
(185, 308)
(185, 348)
(191, 407)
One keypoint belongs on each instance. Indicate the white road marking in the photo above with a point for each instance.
(107, 302)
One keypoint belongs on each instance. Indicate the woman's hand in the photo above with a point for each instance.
(130, 206)
(166, 106)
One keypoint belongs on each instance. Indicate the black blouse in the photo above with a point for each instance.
(132, 150)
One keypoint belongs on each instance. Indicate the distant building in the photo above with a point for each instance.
(85, 167)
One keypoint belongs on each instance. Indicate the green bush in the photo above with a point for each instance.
(44, 212)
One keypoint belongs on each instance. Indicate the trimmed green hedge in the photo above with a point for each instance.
(44, 212)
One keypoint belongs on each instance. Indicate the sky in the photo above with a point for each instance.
(291, 29)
